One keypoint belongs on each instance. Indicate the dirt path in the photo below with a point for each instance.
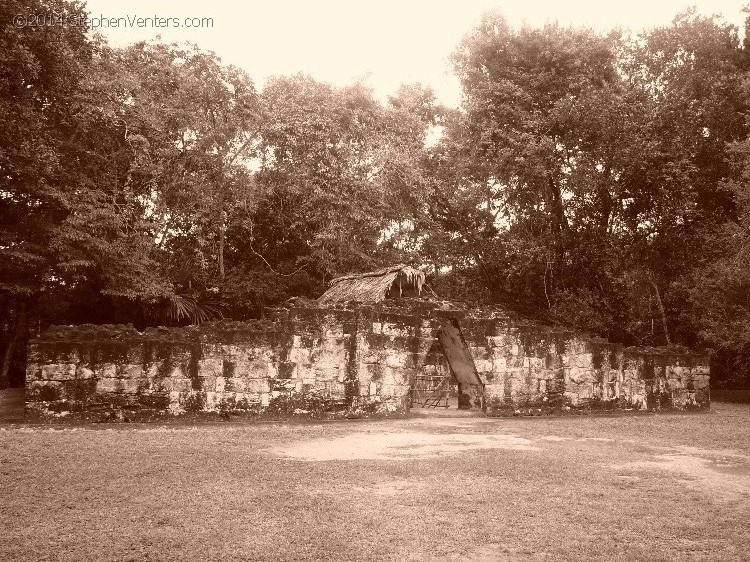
(725, 473)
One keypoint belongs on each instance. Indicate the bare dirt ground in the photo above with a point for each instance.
(672, 487)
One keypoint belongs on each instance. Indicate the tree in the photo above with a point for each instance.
(41, 68)
(327, 185)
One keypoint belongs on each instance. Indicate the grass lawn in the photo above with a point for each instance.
(666, 487)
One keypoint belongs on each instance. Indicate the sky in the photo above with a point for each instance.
(384, 42)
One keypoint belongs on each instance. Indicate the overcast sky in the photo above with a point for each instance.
(388, 42)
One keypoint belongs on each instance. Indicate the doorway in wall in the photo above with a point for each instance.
(449, 377)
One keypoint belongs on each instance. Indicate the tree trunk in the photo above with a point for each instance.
(221, 252)
(10, 348)
(221, 235)
(661, 308)
(559, 221)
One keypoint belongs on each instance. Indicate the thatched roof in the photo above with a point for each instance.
(390, 282)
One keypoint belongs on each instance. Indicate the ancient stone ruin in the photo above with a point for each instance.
(364, 347)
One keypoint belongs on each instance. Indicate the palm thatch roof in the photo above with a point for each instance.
(395, 281)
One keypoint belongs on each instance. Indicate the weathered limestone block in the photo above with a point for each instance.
(235, 384)
(394, 329)
(583, 360)
(58, 371)
(45, 390)
(577, 346)
(300, 355)
(108, 385)
(219, 384)
(84, 372)
(160, 385)
(609, 390)
(136, 385)
(638, 401)
(584, 390)
(495, 390)
(700, 381)
(326, 373)
(129, 371)
(251, 369)
(484, 365)
(496, 342)
(331, 389)
(258, 386)
(330, 350)
(395, 358)
(571, 398)
(181, 384)
(537, 366)
(272, 370)
(211, 366)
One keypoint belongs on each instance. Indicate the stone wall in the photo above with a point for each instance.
(310, 360)
(531, 369)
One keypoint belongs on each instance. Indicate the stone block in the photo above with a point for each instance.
(395, 358)
(212, 401)
(496, 341)
(33, 371)
(333, 331)
(234, 384)
(482, 353)
(220, 384)
(211, 367)
(257, 386)
(700, 381)
(181, 384)
(499, 363)
(288, 370)
(134, 386)
(59, 371)
(483, 365)
(108, 385)
(387, 391)
(83, 372)
(299, 355)
(584, 360)
(392, 329)
(45, 390)
(254, 369)
(130, 371)
(326, 373)
(536, 366)
(374, 356)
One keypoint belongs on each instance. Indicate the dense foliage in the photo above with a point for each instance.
(597, 181)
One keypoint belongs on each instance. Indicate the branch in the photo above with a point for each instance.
(250, 245)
